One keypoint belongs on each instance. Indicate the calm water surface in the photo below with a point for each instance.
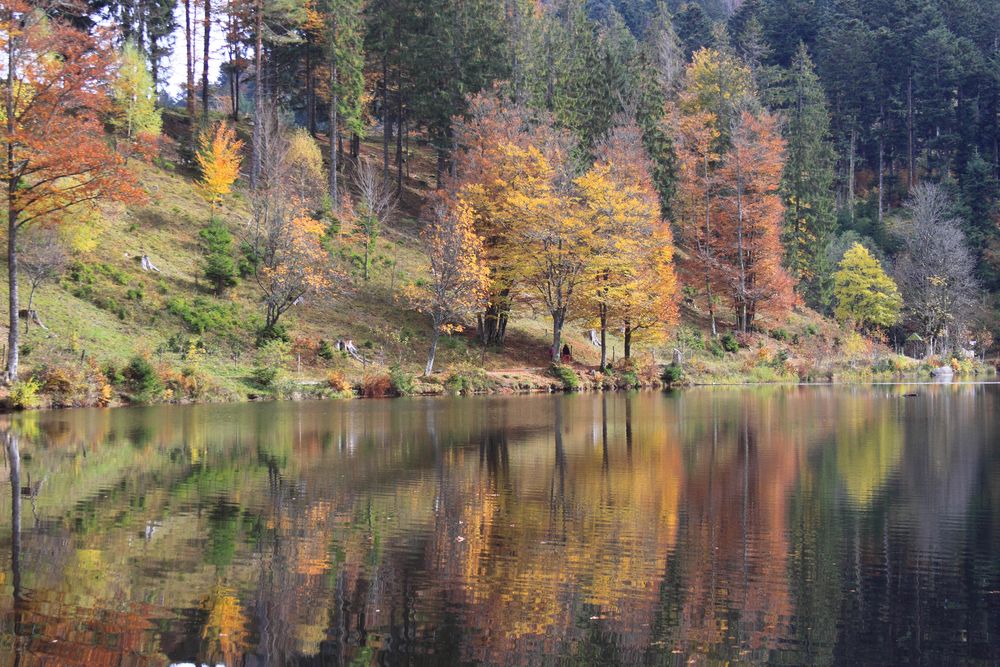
(802, 525)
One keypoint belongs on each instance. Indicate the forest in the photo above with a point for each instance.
(789, 183)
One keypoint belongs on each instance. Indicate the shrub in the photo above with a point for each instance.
(24, 394)
(376, 386)
(886, 365)
(402, 382)
(764, 374)
(339, 383)
(265, 377)
(202, 315)
(672, 374)
(468, 382)
(779, 334)
(716, 349)
(275, 332)
(690, 339)
(778, 360)
(630, 380)
(729, 342)
(567, 376)
(142, 380)
(325, 350)
(269, 363)
(65, 385)
(188, 383)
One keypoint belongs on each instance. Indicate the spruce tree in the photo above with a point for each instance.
(808, 176)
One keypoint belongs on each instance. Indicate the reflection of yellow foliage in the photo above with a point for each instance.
(867, 452)
(226, 624)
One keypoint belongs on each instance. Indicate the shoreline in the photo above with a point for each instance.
(436, 386)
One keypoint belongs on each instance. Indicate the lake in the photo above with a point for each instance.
(791, 525)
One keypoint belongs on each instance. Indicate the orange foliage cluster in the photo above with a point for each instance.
(729, 209)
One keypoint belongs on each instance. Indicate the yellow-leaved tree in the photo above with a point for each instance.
(459, 275)
(865, 295)
(219, 160)
(635, 286)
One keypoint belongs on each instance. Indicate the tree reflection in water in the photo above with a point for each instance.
(802, 525)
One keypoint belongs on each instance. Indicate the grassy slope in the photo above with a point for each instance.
(108, 325)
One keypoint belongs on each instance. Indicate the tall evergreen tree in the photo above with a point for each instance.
(807, 179)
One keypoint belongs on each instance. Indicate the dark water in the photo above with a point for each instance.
(808, 525)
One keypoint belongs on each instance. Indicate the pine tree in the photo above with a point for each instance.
(807, 181)
(342, 34)
(217, 248)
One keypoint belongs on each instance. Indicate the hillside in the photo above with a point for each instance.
(106, 310)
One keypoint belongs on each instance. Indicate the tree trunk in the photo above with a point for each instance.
(13, 335)
(558, 319)
(399, 144)
(429, 368)
(189, 57)
(911, 162)
(881, 176)
(628, 341)
(258, 93)
(386, 119)
(604, 335)
(740, 247)
(207, 37)
(310, 92)
(850, 173)
(711, 306)
(334, 134)
(493, 320)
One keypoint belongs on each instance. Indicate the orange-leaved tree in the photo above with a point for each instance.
(459, 276)
(56, 155)
(695, 205)
(752, 213)
(294, 263)
(219, 157)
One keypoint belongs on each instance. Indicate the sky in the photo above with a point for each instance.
(175, 65)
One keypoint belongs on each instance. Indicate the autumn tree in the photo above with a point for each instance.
(635, 286)
(649, 305)
(493, 167)
(43, 258)
(305, 170)
(219, 158)
(376, 202)
(57, 157)
(135, 115)
(459, 276)
(555, 242)
(751, 251)
(697, 206)
(283, 243)
(864, 294)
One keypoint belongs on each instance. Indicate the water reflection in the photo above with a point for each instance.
(797, 525)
